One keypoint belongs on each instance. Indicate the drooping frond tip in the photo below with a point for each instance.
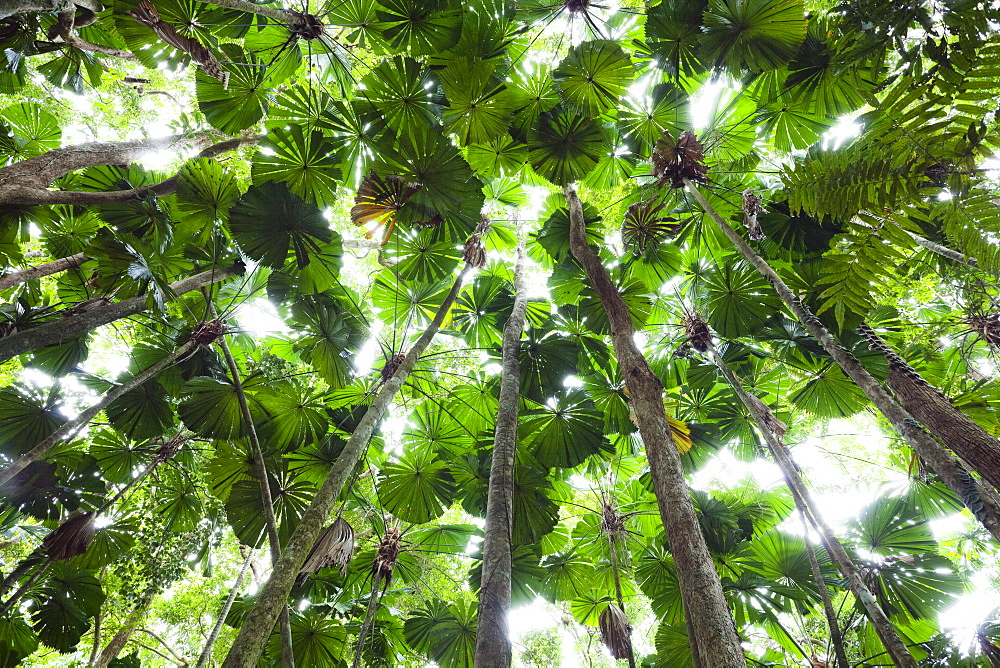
(334, 548)
(475, 251)
(674, 161)
(616, 632)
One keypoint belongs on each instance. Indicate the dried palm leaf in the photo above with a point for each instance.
(391, 364)
(699, 336)
(987, 327)
(71, 538)
(675, 161)
(147, 15)
(206, 332)
(752, 207)
(612, 523)
(378, 200)
(387, 554)
(334, 548)
(475, 252)
(616, 632)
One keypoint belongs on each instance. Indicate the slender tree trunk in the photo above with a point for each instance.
(955, 429)
(206, 652)
(803, 500)
(287, 656)
(940, 461)
(47, 269)
(96, 647)
(120, 639)
(70, 427)
(257, 626)
(366, 625)
(76, 325)
(492, 639)
(294, 20)
(22, 590)
(27, 182)
(836, 637)
(714, 640)
(618, 591)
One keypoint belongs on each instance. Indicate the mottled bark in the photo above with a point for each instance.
(47, 269)
(493, 648)
(366, 625)
(940, 461)
(26, 183)
(69, 428)
(72, 326)
(836, 637)
(120, 639)
(957, 431)
(206, 652)
(260, 620)
(803, 500)
(294, 20)
(713, 637)
(271, 524)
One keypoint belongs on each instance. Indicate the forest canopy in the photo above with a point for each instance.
(499, 332)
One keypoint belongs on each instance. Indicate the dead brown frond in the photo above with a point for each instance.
(206, 332)
(674, 161)
(71, 538)
(475, 252)
(616, 632)
(752, 207)
(334, 548)
(987, 327)
(169, 449)
(387, 554)
(699, 336)
(391, 364)
(612, 523)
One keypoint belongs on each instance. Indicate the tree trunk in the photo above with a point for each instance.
(287, 656)
(27, 182)
(955, 429)
(940, 461)
(714, 640)
(47, 269)
(257, 626)
(295, 21)
(613, 551)
(206, 652)
(366, 625)
(12, 7)
(72, 326)
(70, 427)
(836, 637)
(803, 500)
(492, 639)
(120, 639)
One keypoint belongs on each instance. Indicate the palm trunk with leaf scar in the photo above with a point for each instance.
(713, 637)
(771, 430)
(492, 639)
(249, 644)
(939, 460)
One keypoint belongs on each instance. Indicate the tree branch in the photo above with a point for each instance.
(47, 269)
(26, 183)
(73, 326)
